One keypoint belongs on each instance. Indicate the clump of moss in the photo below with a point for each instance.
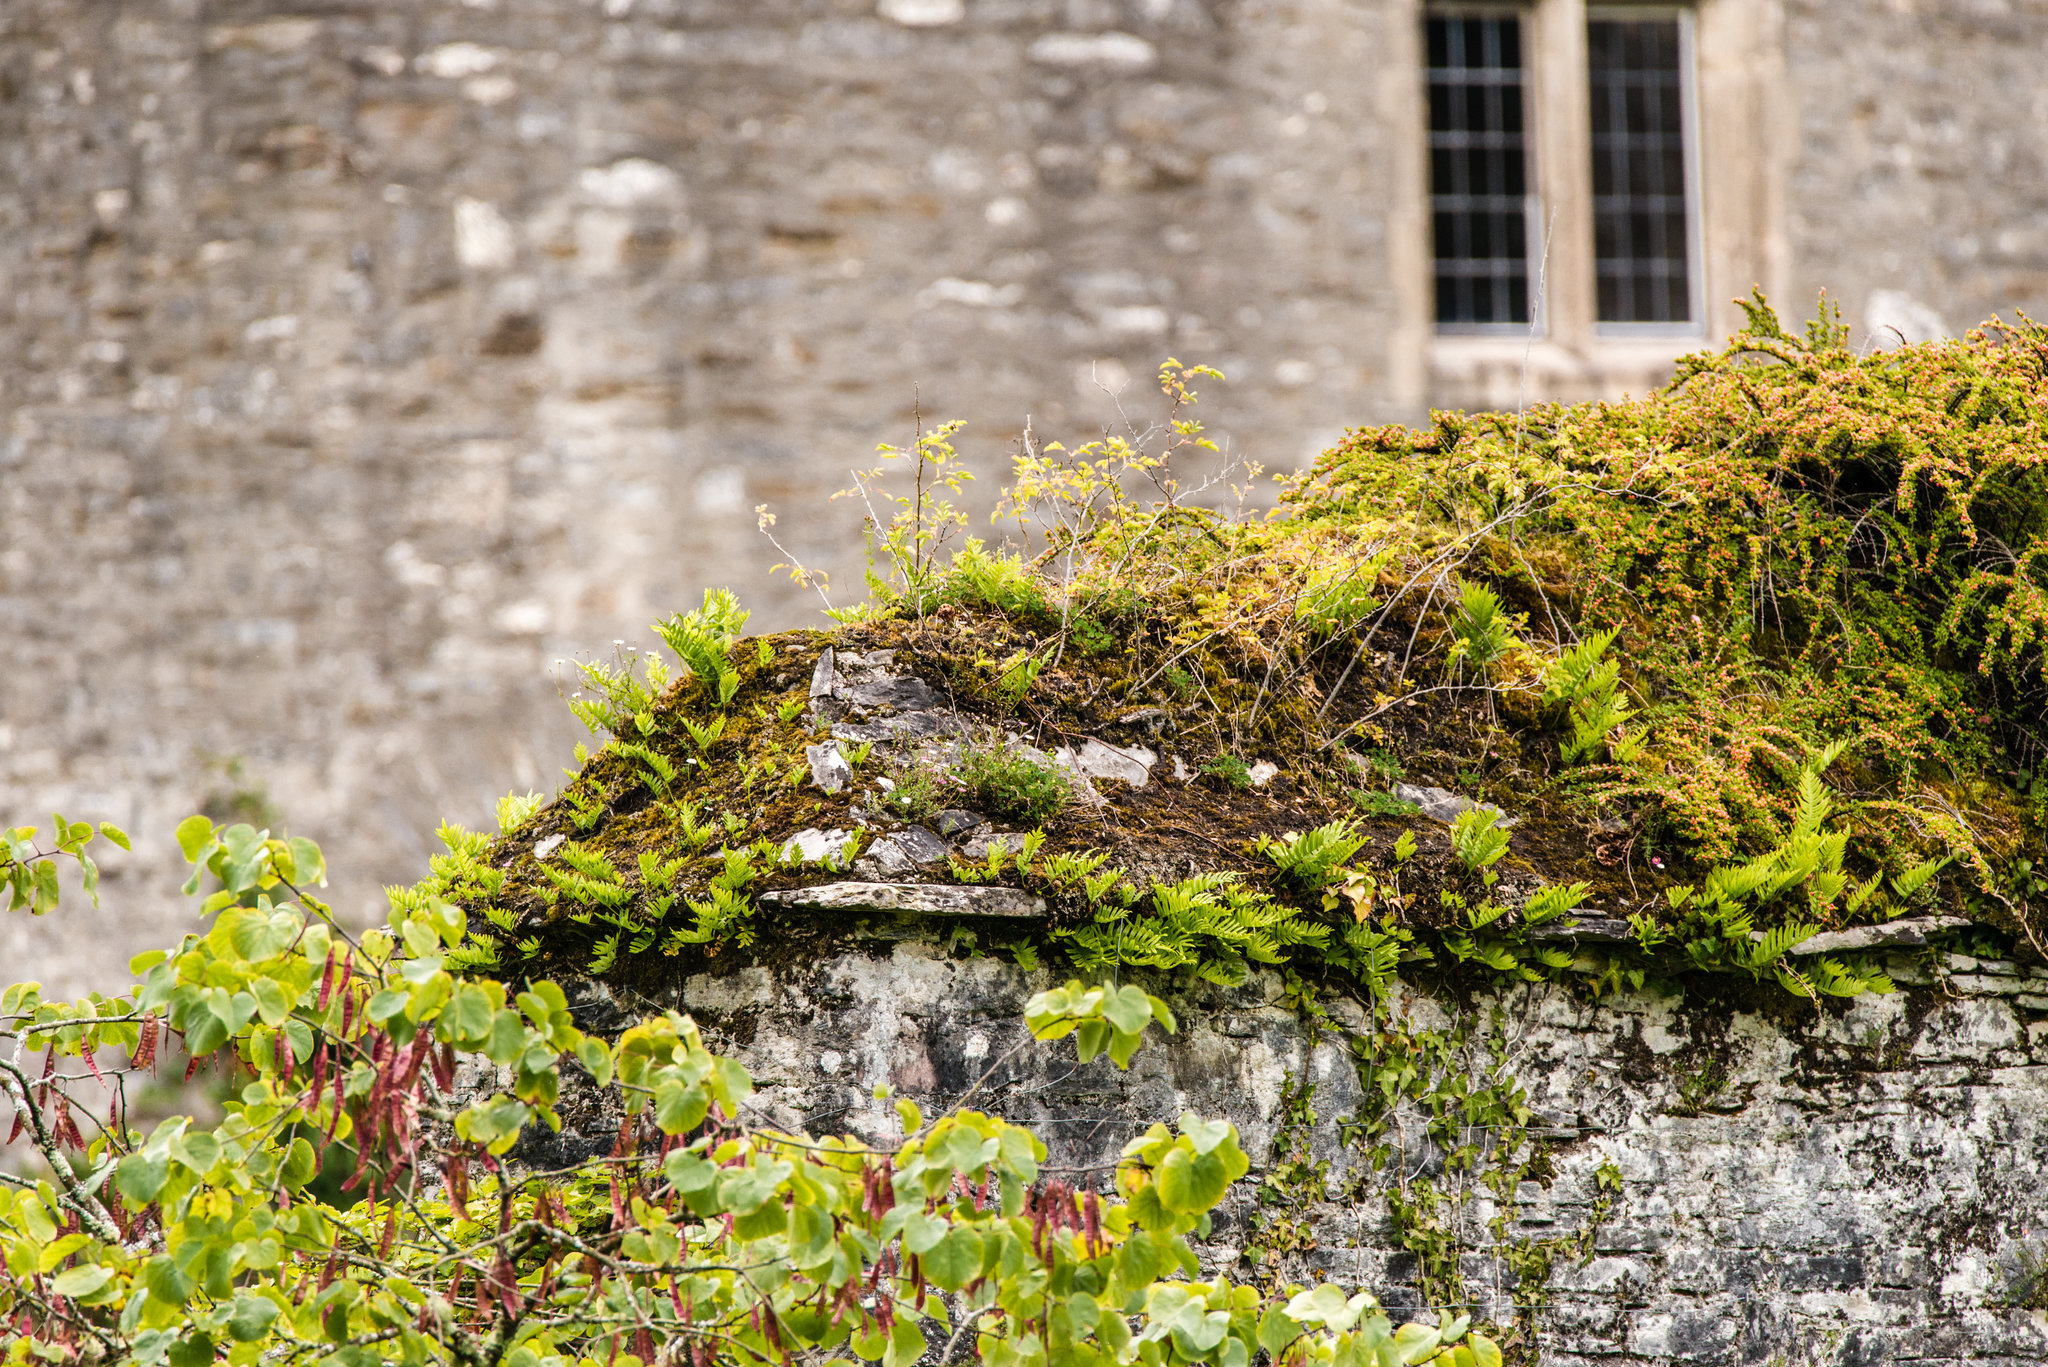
(1663, 634)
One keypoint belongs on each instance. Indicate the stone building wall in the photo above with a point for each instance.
(1850, 1187)
(360, 360)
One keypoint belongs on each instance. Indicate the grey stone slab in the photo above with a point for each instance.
(957, 821)
(829, 769)
(1906, 934)
(821, 675)
(1441, 804)
(919, 845)
(924, 899)
(1605, 930)
(1131, 764)
(906, 693)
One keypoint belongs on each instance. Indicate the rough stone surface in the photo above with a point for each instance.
(1856, 1187)
(1608, 930)
(815, 846)
(901, 853)
(829, 768)
(956, 821)
(924, 899)
(1893, 934)
(1129, 764)
(1441, 804)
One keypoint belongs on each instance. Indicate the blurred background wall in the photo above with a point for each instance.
(360, 359)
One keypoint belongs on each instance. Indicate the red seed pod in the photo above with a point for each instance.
(326, 979)
(145, 1047)
(457, 1172)
(20, 1120)
(444, 1068)
(65, 1127)
(334, 1121)
(507, 1279)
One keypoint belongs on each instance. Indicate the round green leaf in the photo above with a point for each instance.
(251, 1317)
(140, 1178)
(80, 1282)
(955, 1260)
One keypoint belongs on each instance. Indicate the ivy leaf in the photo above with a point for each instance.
(299, 1163)
(1205, 1135)
(922, 1233)
(198, 1152)
(1130, 1010)
(679, 1108)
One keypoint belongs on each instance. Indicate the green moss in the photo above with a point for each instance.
(1790, 547)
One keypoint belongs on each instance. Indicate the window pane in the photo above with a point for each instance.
(1639, 212)
(1478, 174)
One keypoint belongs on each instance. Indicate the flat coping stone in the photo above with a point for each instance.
(918, 899)
(1910, 933)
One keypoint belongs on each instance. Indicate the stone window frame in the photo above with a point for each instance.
(1741, 145)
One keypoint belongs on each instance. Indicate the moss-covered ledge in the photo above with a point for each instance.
(1599, 853)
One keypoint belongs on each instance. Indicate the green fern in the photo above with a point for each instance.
(659, 771)
(514, 810)
(1477, 842)
(1309, 860)
(705, 735)
(703, 640)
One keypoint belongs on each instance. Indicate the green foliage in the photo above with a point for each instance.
(1308, 861)
(1800, 879)
(903, 546)
(516, 809)
(1231, 769)
(919, 792)
(699, 1233)
(1373, 802)
(1477, 842)
(1102, 1019)
(1341, 600)
(703, 641)
(1801, 542)
(1209, 923)
(1587, 686)
(29, 870)
(1006, 784)
(1482, 632)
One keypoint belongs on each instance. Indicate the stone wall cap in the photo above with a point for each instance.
(1907, 934)
(922, 899)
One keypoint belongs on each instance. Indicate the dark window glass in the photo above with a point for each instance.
(1478, 173)
(1640, 242)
